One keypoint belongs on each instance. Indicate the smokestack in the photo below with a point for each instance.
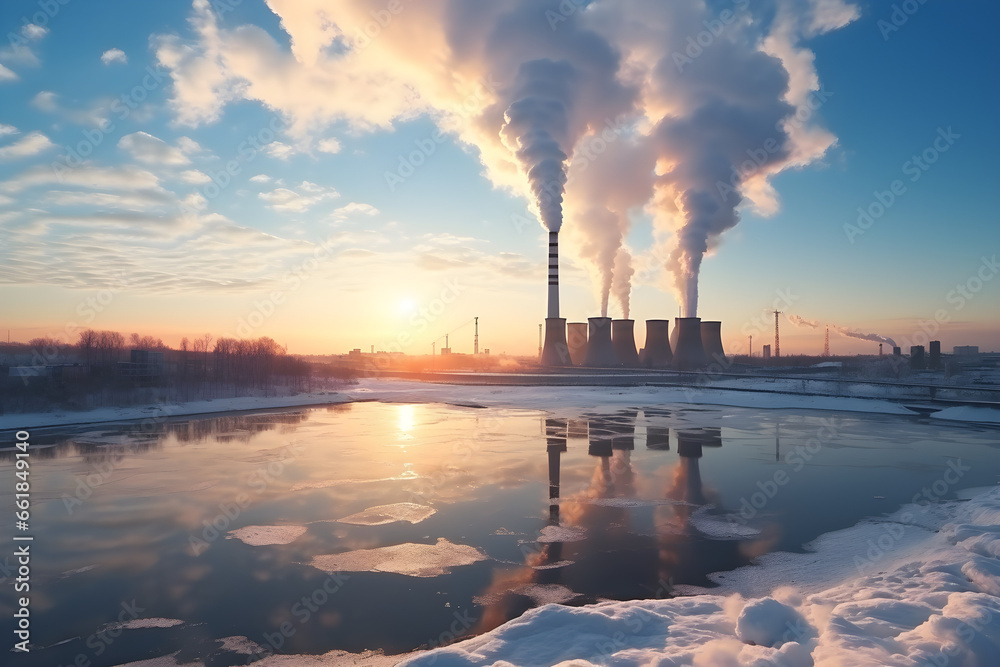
(600, 350)
(555, 351)
(690, 353)
(657, 353)
(711, 340)
(623, 339)
(577, 341)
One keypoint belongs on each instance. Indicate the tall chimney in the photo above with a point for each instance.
(711, 340)
(600, 350)
(577, 340)
(623, 339)
(657, 353)
(555, 351)
(689, 354)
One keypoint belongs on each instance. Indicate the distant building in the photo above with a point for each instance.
(917, 356)
(142, 365)
(966, 350)
(767, 352)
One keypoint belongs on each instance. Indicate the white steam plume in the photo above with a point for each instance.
(876, 338)
(803, 322)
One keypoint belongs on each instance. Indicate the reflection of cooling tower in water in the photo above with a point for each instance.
(576, 338)
(658, 437)
(623, 430)
(623, 340)
(556, 431)
(689, 353)
(657, 352)
(711, 340)
(577, 429)
(600, 434)
(600, 349)
(690, 442)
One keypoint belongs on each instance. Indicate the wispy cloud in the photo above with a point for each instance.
(7, 74)
(31, 144)
(151, 150)
(289, 201)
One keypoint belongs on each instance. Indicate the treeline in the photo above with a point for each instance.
(99, 369)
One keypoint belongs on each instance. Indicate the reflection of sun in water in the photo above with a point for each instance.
(405, 421)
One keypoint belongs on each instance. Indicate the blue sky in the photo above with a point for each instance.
(391, 251)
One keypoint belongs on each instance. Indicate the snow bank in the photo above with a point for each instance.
(917, 588)
(167, 410)
(966, 413)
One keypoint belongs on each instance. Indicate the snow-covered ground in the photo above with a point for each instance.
(917, 589)
(537, 397)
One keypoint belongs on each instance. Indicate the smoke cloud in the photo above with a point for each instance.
(803, 322)
(876, 338)
(593, 111)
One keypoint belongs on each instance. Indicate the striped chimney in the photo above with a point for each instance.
(553, 274)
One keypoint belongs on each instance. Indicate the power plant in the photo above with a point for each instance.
(600, 349)
(689, 353)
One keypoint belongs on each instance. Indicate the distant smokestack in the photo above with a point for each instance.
(623, 339)
(657, 352)
(689, 354)
(555, 351)
(711, 340)
(600, 350)
(577, 341)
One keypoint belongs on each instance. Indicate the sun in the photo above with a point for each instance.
(406, 306)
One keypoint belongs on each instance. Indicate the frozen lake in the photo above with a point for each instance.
(399, 526)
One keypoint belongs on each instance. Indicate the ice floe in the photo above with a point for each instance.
(415, 560)
(260, 536)
(383, 514)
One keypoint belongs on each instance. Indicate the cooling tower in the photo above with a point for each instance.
(673, 335)
(711, 340)
(623, 340)
(656, 353)
(689, 354)
(576, 338)
(600, 349)
(555, 352)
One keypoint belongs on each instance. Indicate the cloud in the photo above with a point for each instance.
(31, 144)
(288, 201)
(45, 101)
(7, 129)
(189, 146)
(7, 75)
(114, 56)
(355, 208)
(278, 150)
(260, 178)
(330, 145)
(34, 31)
(195, 177)
(139, 200)
(86, 176)
(148, 149)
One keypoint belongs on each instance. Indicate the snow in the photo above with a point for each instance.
(919, 587)
(721, 527)
(965, 413)
(259, 536)
(145, 624)
(383, 514)
(725, 393)
(415, 560)
(159, 411)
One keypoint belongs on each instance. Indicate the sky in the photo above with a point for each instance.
(265, 169)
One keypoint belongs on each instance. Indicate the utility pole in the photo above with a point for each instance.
(777, 340)
(539, 341)
(475, 345)
(750, 354)
(826, 344)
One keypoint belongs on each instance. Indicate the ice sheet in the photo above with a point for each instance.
(415, 560)
(383, 514)
(259, 536)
